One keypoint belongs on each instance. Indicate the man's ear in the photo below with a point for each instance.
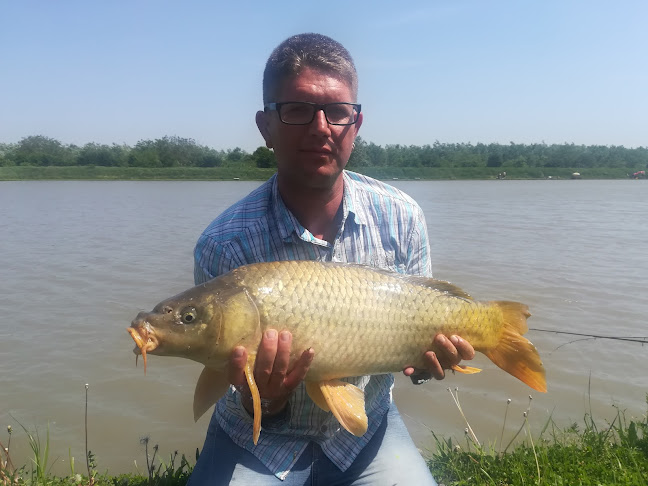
(358, 124)
(262, 124)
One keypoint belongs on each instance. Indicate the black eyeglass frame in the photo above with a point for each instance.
(317, 107)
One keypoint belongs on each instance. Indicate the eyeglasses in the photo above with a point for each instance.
(303, 112)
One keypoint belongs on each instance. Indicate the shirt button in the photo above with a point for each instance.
(323, 429)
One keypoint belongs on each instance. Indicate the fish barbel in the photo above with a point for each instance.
(359, 321)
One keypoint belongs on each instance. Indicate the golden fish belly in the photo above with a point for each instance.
(360, 321)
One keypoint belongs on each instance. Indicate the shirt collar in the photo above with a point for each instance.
(288, 224)
(351, 205)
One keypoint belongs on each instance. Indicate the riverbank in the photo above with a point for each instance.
(249, 173)
(584, 453)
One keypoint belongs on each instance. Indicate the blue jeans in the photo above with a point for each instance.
(389, 458)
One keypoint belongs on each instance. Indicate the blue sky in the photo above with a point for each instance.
(454, 71)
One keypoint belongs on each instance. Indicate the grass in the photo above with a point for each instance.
(585, 454)
(158, 472)
(174, 472)
(133, 173)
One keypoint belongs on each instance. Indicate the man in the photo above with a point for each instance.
(313, 209)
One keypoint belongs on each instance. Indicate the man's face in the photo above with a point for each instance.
(313, 155)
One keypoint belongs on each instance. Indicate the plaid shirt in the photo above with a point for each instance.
(381, 227)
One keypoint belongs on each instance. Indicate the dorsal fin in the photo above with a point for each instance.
(440, 285)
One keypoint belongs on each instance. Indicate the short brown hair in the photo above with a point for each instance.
(301, 51)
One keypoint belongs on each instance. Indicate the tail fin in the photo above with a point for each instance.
(514, 353)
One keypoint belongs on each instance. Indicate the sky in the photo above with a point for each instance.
(453, 71)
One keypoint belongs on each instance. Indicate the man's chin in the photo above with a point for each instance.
(324, 171)
(316, 178)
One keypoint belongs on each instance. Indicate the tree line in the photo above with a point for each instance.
(169, 151)
(174, 151)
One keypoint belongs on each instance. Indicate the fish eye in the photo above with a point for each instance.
(189, 315)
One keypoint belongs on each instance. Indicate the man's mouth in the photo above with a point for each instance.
(317, 150)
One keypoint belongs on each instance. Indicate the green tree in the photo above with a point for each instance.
(494, 160)
(210, 158)
(176, 151)
(429, 157)
(264, 157)
(144, 154)
(395, 156)
(6, 153)
(376, 155)
(412, 156)
(516, 162)
(359, 155)
(235, 156)
(103, 155)
(40, 150)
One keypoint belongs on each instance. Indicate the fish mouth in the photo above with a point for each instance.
(145, 342)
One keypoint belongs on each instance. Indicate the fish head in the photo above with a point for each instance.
(187, 325)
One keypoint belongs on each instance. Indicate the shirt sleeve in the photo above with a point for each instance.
(418, 247)
(211, 259)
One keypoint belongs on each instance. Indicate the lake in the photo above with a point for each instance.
(79, 260)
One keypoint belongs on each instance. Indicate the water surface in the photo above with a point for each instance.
(78, 260)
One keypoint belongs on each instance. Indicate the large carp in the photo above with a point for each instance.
(358, 320)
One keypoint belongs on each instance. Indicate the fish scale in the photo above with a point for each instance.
(371, 319)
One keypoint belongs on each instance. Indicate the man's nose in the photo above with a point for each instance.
(320, 124)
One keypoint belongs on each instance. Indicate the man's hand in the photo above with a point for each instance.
(449, 352)
(275, 380)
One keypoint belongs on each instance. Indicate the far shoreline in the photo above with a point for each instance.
(247, 173)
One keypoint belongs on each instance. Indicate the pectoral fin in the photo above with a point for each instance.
(346, 401)
(212, 384)
(256, 398)
(466, 370)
